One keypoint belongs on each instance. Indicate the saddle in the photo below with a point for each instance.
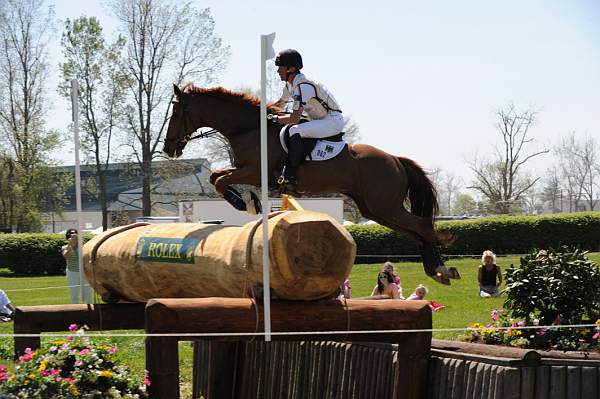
(308, 144)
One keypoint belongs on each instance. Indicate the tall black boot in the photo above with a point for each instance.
(294, 159)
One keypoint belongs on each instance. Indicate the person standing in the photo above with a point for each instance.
(7, 310)
(71, 254)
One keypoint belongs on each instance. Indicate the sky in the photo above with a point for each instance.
(421, 79)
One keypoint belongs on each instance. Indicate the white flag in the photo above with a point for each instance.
(268, 41)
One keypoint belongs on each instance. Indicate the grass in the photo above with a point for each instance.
(463, 305)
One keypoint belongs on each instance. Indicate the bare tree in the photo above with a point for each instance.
(580, 166)
(501, 177)
(552, 191)
(101, 93)
(447, 186)
(166, 42)
(25, 26)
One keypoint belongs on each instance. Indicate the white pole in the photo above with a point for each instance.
(266, 50)
(75, 117)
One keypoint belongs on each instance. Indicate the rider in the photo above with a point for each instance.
(324, 113)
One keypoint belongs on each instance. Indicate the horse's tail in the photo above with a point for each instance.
(423, 196)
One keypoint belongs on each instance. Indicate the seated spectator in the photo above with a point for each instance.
(389, 267)
(344, 291)
(489, 276)
(386, 287)
(419, 293)
(7, 310)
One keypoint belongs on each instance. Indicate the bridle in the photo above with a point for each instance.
(182, 140)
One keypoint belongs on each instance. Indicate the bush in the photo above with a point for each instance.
(562, 285)
(501, 234)
(72, 368)
(32, 253)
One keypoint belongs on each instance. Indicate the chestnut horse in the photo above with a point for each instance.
(379, 183)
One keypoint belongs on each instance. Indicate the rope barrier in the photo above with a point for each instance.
(293, 333)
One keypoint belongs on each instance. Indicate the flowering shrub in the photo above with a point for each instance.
(561, 284)
(71, 368)
(506, 331)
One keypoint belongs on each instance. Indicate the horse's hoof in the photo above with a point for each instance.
(440, 278)
(453, 273)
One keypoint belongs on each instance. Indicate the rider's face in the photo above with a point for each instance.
(282, 71)
(285, 72)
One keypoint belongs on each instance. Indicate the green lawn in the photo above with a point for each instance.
(463, 305)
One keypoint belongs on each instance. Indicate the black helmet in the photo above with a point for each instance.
(289, 58)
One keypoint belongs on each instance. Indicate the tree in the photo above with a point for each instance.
(580, 165)
(552, 192)
(94, 64)
(501, 177)
(24, 30)
(447, 186)
(464, 205)
(166, 43)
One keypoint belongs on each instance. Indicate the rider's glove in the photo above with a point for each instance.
(274, 118)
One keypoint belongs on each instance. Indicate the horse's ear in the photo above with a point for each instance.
(176, 90)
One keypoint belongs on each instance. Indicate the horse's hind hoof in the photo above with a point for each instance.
(440, 278)
(453, 273)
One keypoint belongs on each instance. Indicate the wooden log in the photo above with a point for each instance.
(53, 318)
(542, 382)
(310, 256)
(574, 382)
(590, 388)
(239, 315)
(527, 382)
(558, 382)
(512, 383)
(162, 363)
(530, 357)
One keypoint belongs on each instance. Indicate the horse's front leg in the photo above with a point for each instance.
(218, 173)
(246, 175)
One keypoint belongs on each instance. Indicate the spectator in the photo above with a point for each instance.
(386, 286)
(389, 267)
(7, 310)
(489, 276)
(71, 254)
(419, 293)
(345, 290)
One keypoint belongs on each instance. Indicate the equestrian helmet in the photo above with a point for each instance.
(289, 58)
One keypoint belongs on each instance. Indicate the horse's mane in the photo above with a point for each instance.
(228, 95)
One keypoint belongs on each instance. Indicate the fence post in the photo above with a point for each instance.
(162, 363)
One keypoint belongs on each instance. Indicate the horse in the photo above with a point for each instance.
(379, 183)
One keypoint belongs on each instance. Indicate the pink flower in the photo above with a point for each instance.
(54, 371)
(26, 357)
(147, 381)
(494, 315)
(73, 327)
(78, 363)
(521, 323)
(64, 346)
(70, 380)
(113, 349)
(84, 352)
(69, 337)
(595, 336)
(44, 373)
(536, 322)
(52, 349)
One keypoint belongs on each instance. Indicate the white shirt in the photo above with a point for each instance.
(3, 302)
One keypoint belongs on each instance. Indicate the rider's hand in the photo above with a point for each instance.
(274, 118)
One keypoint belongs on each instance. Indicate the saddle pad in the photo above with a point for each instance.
(323, 151)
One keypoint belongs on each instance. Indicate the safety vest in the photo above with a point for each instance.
(320, 105)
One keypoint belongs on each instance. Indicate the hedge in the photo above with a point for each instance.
(38, 254)
(501, 234)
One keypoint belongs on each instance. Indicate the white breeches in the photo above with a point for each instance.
(330, 125)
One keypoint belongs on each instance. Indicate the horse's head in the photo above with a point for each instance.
(181, 125)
